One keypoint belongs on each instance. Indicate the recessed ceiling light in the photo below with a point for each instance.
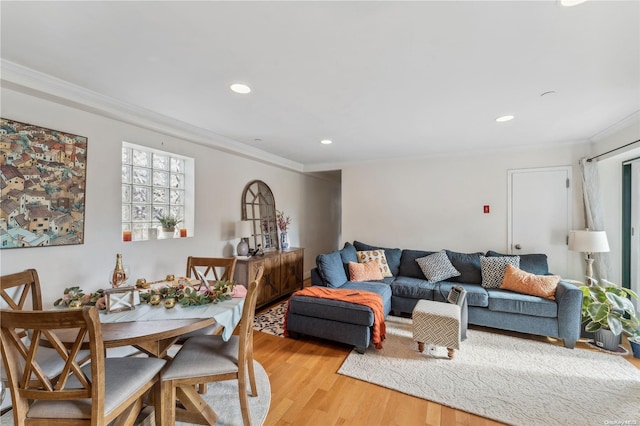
(504, 118)
(243, 89)
(569, 3)
(326, 142)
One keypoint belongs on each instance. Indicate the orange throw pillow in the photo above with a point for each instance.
(368, 271)
(536, 285)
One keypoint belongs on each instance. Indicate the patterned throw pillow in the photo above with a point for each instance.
(378, 256)
(493, 269)
(536, 285)
(368, 271)
(437, 267)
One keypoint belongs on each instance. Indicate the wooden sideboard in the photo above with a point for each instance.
(282, 275)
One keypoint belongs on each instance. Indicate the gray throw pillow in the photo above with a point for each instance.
(437, 267)
(493, 269)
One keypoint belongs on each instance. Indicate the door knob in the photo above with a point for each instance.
(518, 247)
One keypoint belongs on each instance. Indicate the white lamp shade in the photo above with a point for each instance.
(243, 229)
(588, 241)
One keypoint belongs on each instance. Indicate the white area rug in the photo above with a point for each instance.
(512, 380)
(223, 397)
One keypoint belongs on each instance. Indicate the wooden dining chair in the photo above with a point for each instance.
(215, 268)
(21, 291)
(205, 359)
(98, 393)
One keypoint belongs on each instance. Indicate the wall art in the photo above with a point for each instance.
(43, 181)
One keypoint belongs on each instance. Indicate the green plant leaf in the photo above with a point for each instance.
(592, 327)
(615, 325)
(621, 303)
(598, 312)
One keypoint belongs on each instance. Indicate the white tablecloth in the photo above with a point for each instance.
(227, 314)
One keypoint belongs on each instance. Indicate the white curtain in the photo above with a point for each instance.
(594, 213)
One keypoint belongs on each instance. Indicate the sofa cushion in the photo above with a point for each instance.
(392, 255)
(408, 265)
(367, 271)
(375, 256)
(508, 301)
(533, 263)
(536, 285)
(331, 269)
(468, 264)
(437, 267)
(476, 295)
(348, 254)
(413, 288)
(493, 269)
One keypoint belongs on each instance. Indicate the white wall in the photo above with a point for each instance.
(220, 178)
(610, 171)
(436, 203)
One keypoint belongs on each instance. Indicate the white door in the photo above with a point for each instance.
(540, 214)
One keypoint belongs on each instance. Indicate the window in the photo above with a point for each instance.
(155, 183)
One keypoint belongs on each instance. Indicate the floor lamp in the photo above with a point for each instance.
(588, 242)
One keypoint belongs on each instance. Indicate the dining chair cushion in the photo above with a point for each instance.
(204, 356)
(123, 377)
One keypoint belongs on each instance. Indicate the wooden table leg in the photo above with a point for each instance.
(196, 409)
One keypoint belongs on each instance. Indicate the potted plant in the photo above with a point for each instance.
(608, 312)
(168, 223)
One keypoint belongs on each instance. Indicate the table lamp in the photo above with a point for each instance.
(243, 231)
(588, 242)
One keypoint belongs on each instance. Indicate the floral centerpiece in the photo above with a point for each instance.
(74, 294)
(190, 296)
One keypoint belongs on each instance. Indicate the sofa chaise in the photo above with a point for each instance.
(557, 314)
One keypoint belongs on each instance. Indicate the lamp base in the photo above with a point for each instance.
(242, 248)
(589, 270)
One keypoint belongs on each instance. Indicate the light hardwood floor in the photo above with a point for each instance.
(307, 390)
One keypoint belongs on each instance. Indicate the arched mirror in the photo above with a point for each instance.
(259, 208)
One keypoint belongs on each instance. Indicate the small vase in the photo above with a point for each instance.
(284, 241)
(635, 347)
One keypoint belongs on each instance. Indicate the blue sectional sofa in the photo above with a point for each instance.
(490, 307)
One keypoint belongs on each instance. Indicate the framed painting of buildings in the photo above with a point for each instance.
(42, 179)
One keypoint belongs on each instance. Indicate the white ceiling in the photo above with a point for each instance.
(381, 79)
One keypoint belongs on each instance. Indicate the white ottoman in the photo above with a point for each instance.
(438, 324)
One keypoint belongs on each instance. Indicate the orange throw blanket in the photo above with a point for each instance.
(359, 297)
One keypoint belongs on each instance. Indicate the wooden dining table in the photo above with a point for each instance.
(153, 330)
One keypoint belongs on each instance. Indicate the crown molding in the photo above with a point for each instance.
(633, 119)
(26, 80)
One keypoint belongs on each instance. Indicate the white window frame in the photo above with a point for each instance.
(140, 228)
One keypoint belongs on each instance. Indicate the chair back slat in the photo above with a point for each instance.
(215, 268)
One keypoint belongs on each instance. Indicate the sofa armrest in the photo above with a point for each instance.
(316, 279)
(569, 300)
